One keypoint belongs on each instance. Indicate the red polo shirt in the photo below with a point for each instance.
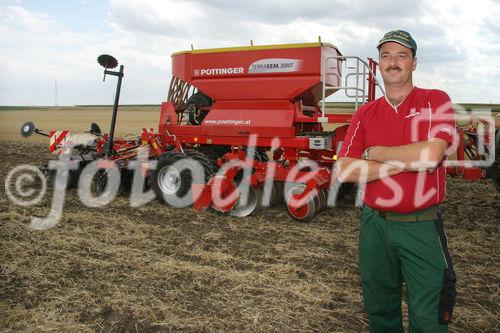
(423, 114)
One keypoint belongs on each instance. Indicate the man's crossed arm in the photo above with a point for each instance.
(387, 161)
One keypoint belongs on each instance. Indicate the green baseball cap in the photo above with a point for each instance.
(401, 37)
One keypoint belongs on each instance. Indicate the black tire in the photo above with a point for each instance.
(213, 153)
(73, 176)
(193, 105)
(98, 183)
(203, 159)
(170, 182)
(100, 179)
(126, 179)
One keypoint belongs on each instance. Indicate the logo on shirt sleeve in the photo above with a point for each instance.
(446, 130)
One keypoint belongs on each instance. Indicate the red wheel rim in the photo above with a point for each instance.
(299, 212)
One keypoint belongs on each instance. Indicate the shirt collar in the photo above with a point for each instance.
(395, 108)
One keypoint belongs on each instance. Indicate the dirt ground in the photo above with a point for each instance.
(160, 269)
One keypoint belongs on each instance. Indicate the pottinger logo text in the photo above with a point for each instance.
(218, 71)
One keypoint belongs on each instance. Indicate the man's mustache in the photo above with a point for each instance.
(392, 69)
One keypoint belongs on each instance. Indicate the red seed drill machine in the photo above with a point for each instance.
(257, 110)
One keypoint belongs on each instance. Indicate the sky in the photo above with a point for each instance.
(43, 42)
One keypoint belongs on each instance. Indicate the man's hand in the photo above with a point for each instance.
(419, 156)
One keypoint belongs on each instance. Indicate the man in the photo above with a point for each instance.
(396, 145)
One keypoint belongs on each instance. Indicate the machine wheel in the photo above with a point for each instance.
(169, 181)
(193, 107)
(213, 153)
(73, 176)
(249, 202)
(99, 182)
(126, 179)
(305, 211)
(323, 199)
(203, 159)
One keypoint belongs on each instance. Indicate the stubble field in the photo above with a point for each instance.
(155, 268)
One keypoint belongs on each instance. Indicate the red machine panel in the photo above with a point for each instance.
(236, 118)
(279, 72)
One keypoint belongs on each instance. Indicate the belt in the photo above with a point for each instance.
(428, 214)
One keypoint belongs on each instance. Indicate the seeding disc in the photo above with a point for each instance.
(27, 129)
(301, 211)
(224, 200)
(249, 201)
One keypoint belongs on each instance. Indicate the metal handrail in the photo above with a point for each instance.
(356, 88)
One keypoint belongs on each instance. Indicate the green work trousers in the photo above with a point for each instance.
(415, 253)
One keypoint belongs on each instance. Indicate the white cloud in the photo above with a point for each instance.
(458, 43)
(457, 61)
(25, 20)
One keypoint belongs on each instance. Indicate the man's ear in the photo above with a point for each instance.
(414, 63)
